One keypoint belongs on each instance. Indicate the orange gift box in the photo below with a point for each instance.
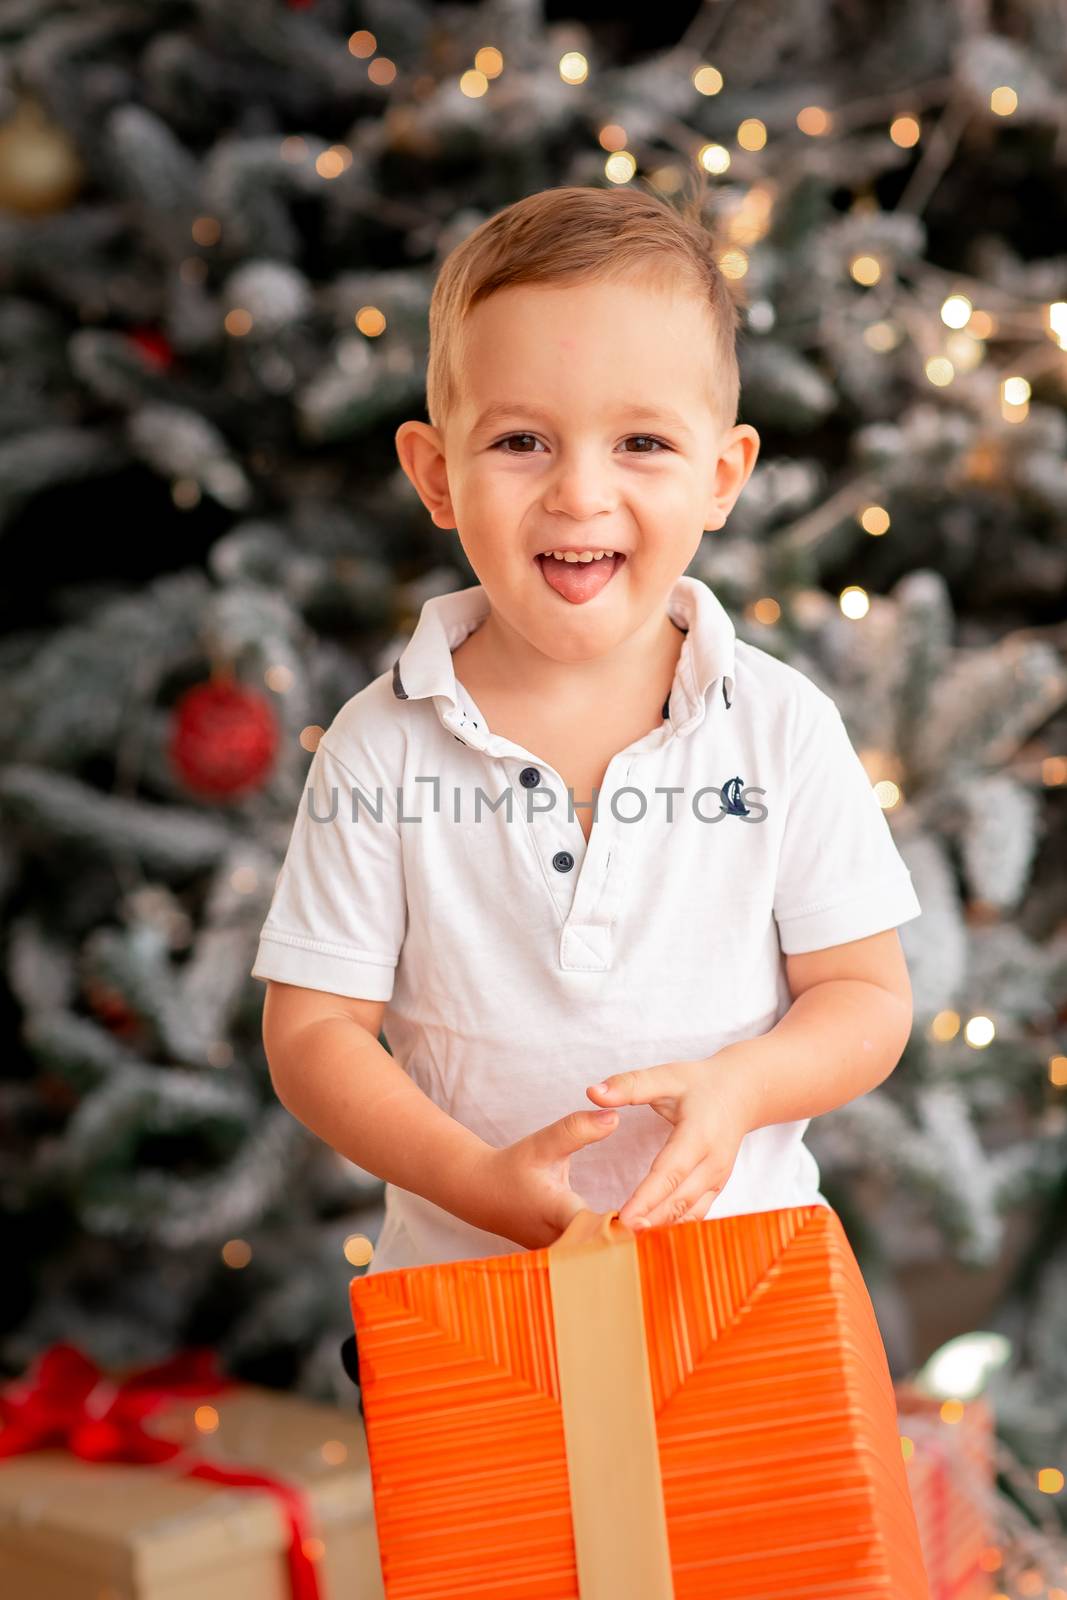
(952, 1478)
(698, 1410)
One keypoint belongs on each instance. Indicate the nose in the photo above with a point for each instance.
(579, 486)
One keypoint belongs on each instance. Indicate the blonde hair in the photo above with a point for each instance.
(574, 234)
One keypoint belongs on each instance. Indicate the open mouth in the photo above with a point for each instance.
(579, 581)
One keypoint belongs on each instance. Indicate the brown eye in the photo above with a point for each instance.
(508, 441)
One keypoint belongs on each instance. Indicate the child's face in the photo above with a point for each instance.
(565, 465)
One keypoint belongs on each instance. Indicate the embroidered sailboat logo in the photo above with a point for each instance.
(731, 795)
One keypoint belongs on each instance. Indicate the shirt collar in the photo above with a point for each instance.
(424, 667)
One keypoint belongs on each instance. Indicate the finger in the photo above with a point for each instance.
(690, 1204)
(699, 1211)
(635, 1088)
(677, 1177)
(578, 1128)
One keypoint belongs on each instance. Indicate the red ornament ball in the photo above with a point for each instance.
(111, 1008)
(223, 740)
(154, 346)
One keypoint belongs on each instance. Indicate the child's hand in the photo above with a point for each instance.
(710, 1120)
(524, 1188)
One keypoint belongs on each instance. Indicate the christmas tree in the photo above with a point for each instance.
(219, 229)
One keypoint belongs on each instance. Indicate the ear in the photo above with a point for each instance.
(421, 453)
(737, 452)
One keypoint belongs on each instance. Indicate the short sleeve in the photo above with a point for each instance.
(338, 916)
(840, 875)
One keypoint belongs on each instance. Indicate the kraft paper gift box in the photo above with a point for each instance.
(949, 1451)
(700, 1410)
(72, 1529)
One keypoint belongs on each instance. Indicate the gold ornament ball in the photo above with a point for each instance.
(40, 170)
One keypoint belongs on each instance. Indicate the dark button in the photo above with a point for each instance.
(529, 777)
(563, 861)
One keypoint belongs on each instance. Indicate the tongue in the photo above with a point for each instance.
(578, 581)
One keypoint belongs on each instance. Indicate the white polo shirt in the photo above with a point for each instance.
(520, 963)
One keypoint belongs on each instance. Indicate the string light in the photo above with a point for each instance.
(881, 336)
(358, 1250)
(620, 167)
(956, 311)
(473, 83)
(310, 736)
(330, 163)
(865, 269)
(279, 679)
(1057, 322)
(1014, 399)
(874, 520)
(612, 136)
(964, 351)
(854, 601)
(905, 131)
(814, 121)
(1057, 1072)
(979, 1031)
(752, 134)
(1003, 101)
(707, 80)
(362, 44)
(945, 1026)
(667, 179)
(733, 263)
(370, 321)
(940, 371)
(714, 158)
(573, 67)
(751, 219)
(489, 61)
(236, 1253)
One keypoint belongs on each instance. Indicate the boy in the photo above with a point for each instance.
(717, 940)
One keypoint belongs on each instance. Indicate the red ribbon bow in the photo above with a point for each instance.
(66, 1402)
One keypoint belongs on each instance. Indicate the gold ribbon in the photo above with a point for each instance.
(620, 1522)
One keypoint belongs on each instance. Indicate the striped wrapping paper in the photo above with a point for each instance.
(697, 1412)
